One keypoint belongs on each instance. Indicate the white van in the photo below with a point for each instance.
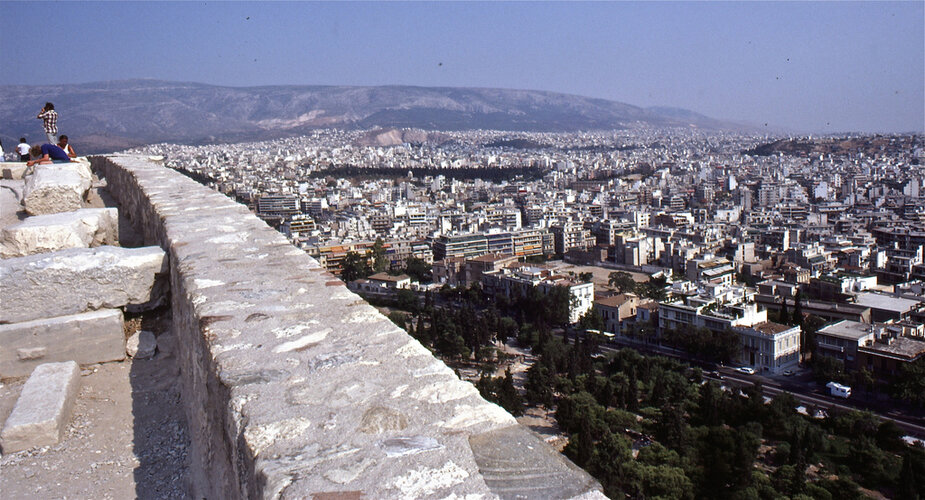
(836, 389)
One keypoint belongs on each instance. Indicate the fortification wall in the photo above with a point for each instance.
(294, 387)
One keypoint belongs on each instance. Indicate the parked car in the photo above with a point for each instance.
(748, 370)
(788, 373)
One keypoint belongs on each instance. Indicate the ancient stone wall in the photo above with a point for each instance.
(294, 387)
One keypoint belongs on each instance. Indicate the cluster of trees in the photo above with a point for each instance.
(493, 174)
(705, 344)
(696, 440)
(501, 390)
(653, 289)
(459, 333)
(691, 437)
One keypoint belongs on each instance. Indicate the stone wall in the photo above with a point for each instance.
(294, 387)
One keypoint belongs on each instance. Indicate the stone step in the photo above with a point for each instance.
(87, 227)
(78, 280)
(93, 337)
(57, 188)
(43, 409)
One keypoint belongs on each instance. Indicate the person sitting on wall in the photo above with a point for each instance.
(47, 153)
(63, 144)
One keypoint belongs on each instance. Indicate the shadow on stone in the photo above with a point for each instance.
(517, 464)
(161, 439)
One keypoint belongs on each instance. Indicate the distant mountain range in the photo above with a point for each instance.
(109, 116)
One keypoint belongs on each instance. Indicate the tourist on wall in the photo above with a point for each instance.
(49, 118)
(63, 144)
(23, 149)
(47, 153)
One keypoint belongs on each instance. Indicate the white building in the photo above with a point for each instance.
(769, 346)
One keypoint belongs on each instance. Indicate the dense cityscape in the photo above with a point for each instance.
(789, 270)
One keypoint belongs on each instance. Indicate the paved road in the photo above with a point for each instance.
(804, 390)
(911, 424)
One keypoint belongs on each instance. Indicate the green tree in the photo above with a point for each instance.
(665, 481)
(864, 379)
(591, 320)
(400, 319)
(798, 309)
(710, 406)
(407, 300)
(354, 266)
(811, 325)
(827, 368)
(911, 482)
(510, 399)
(585, 277)
(539, 384)
(622, 281)
(784, 316)
(380, 260)
(726, 346)
(655, 288)
(501, 390)
(612, 464)
(418, 269)
(909, 385)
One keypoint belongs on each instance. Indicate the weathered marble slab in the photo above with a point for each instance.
(78, 280)
(43, 409)
(87, 227)
(93, 337)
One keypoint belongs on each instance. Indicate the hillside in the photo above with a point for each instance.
(107, 116)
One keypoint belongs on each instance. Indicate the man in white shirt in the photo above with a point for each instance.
(23, 149)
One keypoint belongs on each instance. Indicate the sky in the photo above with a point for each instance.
(820, 67)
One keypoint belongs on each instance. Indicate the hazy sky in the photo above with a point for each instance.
(810, 66)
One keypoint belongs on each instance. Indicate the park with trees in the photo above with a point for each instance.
(653, 427)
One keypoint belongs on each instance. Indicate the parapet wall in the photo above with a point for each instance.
(294, 387)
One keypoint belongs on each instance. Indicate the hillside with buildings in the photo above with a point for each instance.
(108, 116)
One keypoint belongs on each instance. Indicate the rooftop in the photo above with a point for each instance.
(903, 347)
(771, 328)
(886, 302)
(615, 301)
(846, 329)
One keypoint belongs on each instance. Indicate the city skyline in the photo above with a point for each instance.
(804, 67)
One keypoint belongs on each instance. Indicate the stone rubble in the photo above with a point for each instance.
(143, 345)
(39, 293)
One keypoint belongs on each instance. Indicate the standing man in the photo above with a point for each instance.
(49, 118)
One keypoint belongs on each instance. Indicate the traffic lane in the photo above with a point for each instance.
(911, 425)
